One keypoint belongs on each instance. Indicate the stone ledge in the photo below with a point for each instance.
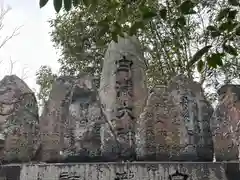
(122, 171)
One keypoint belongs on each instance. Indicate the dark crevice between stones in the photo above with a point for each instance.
(232, 171)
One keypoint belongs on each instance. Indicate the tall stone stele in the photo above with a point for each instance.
(175, 124)
(19, 122)
(226, 123)
(70, 123)
(123, 93)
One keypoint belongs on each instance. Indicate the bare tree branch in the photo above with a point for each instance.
(11, 66)
(3, 13)
(24, 73)
(6, 39)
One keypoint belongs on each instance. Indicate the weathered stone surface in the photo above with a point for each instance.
(19, 120)
(123, 93)
(71, 119)
(131, 171)
(86, 118)
(225, 123)
(156, 129)
(175, 124)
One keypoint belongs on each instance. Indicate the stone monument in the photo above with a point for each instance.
(225, 123)
(175, 124)
(19, 120)
(123, 93)
(123, 121)
(71, 120)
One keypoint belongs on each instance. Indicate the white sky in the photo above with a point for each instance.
(32, 47)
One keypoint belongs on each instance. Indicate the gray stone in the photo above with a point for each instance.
(54, 116)
(86, 118)
(70, 123)
(225, 123)
(131, 171)
(123, 93)
(196, 112)
(19, 121)
(175, 124)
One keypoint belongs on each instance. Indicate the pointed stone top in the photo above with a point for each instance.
(129, 45)
(182, 81)
(232, 87)
(14, 82)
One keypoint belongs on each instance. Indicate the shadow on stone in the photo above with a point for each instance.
(10, 173)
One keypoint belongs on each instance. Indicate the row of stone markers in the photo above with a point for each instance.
(122, 120)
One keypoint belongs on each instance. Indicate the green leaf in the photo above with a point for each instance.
(213, 31)
(215, 34)
(229, 26)
(177, 2)
(232, 14)
(118, 29)
(136, 25)
(198, 55)
(42, 3)
(148, 13)
(57, 5)
(224, 26)
(229, 49)
(86, 3)
(200, 66)
(212, 28)
(76, 2)
(115, 37)
(102, 30)
(233, 2)
(163, 13)
(215, 60)
(181, 21)
(100, 42)
(211, 63)
(105, 21)
(67, 5)
(187, 6)
(223, 13)
(92, 5)
(238, 30)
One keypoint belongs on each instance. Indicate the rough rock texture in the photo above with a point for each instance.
(225, 123)
(70, 121)
(123, 93)
(155, 128)
(19, 122)
(131, 171)
(86, 118)
(175, 124)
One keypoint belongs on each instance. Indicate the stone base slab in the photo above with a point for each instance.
(122, 171)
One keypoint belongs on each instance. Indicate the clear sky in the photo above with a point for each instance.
(32, 47)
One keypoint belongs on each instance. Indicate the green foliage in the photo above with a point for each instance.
(45, 78)
(198, 55)
(42, 3)
(177, 36)
(114, 18)
(81, 41)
